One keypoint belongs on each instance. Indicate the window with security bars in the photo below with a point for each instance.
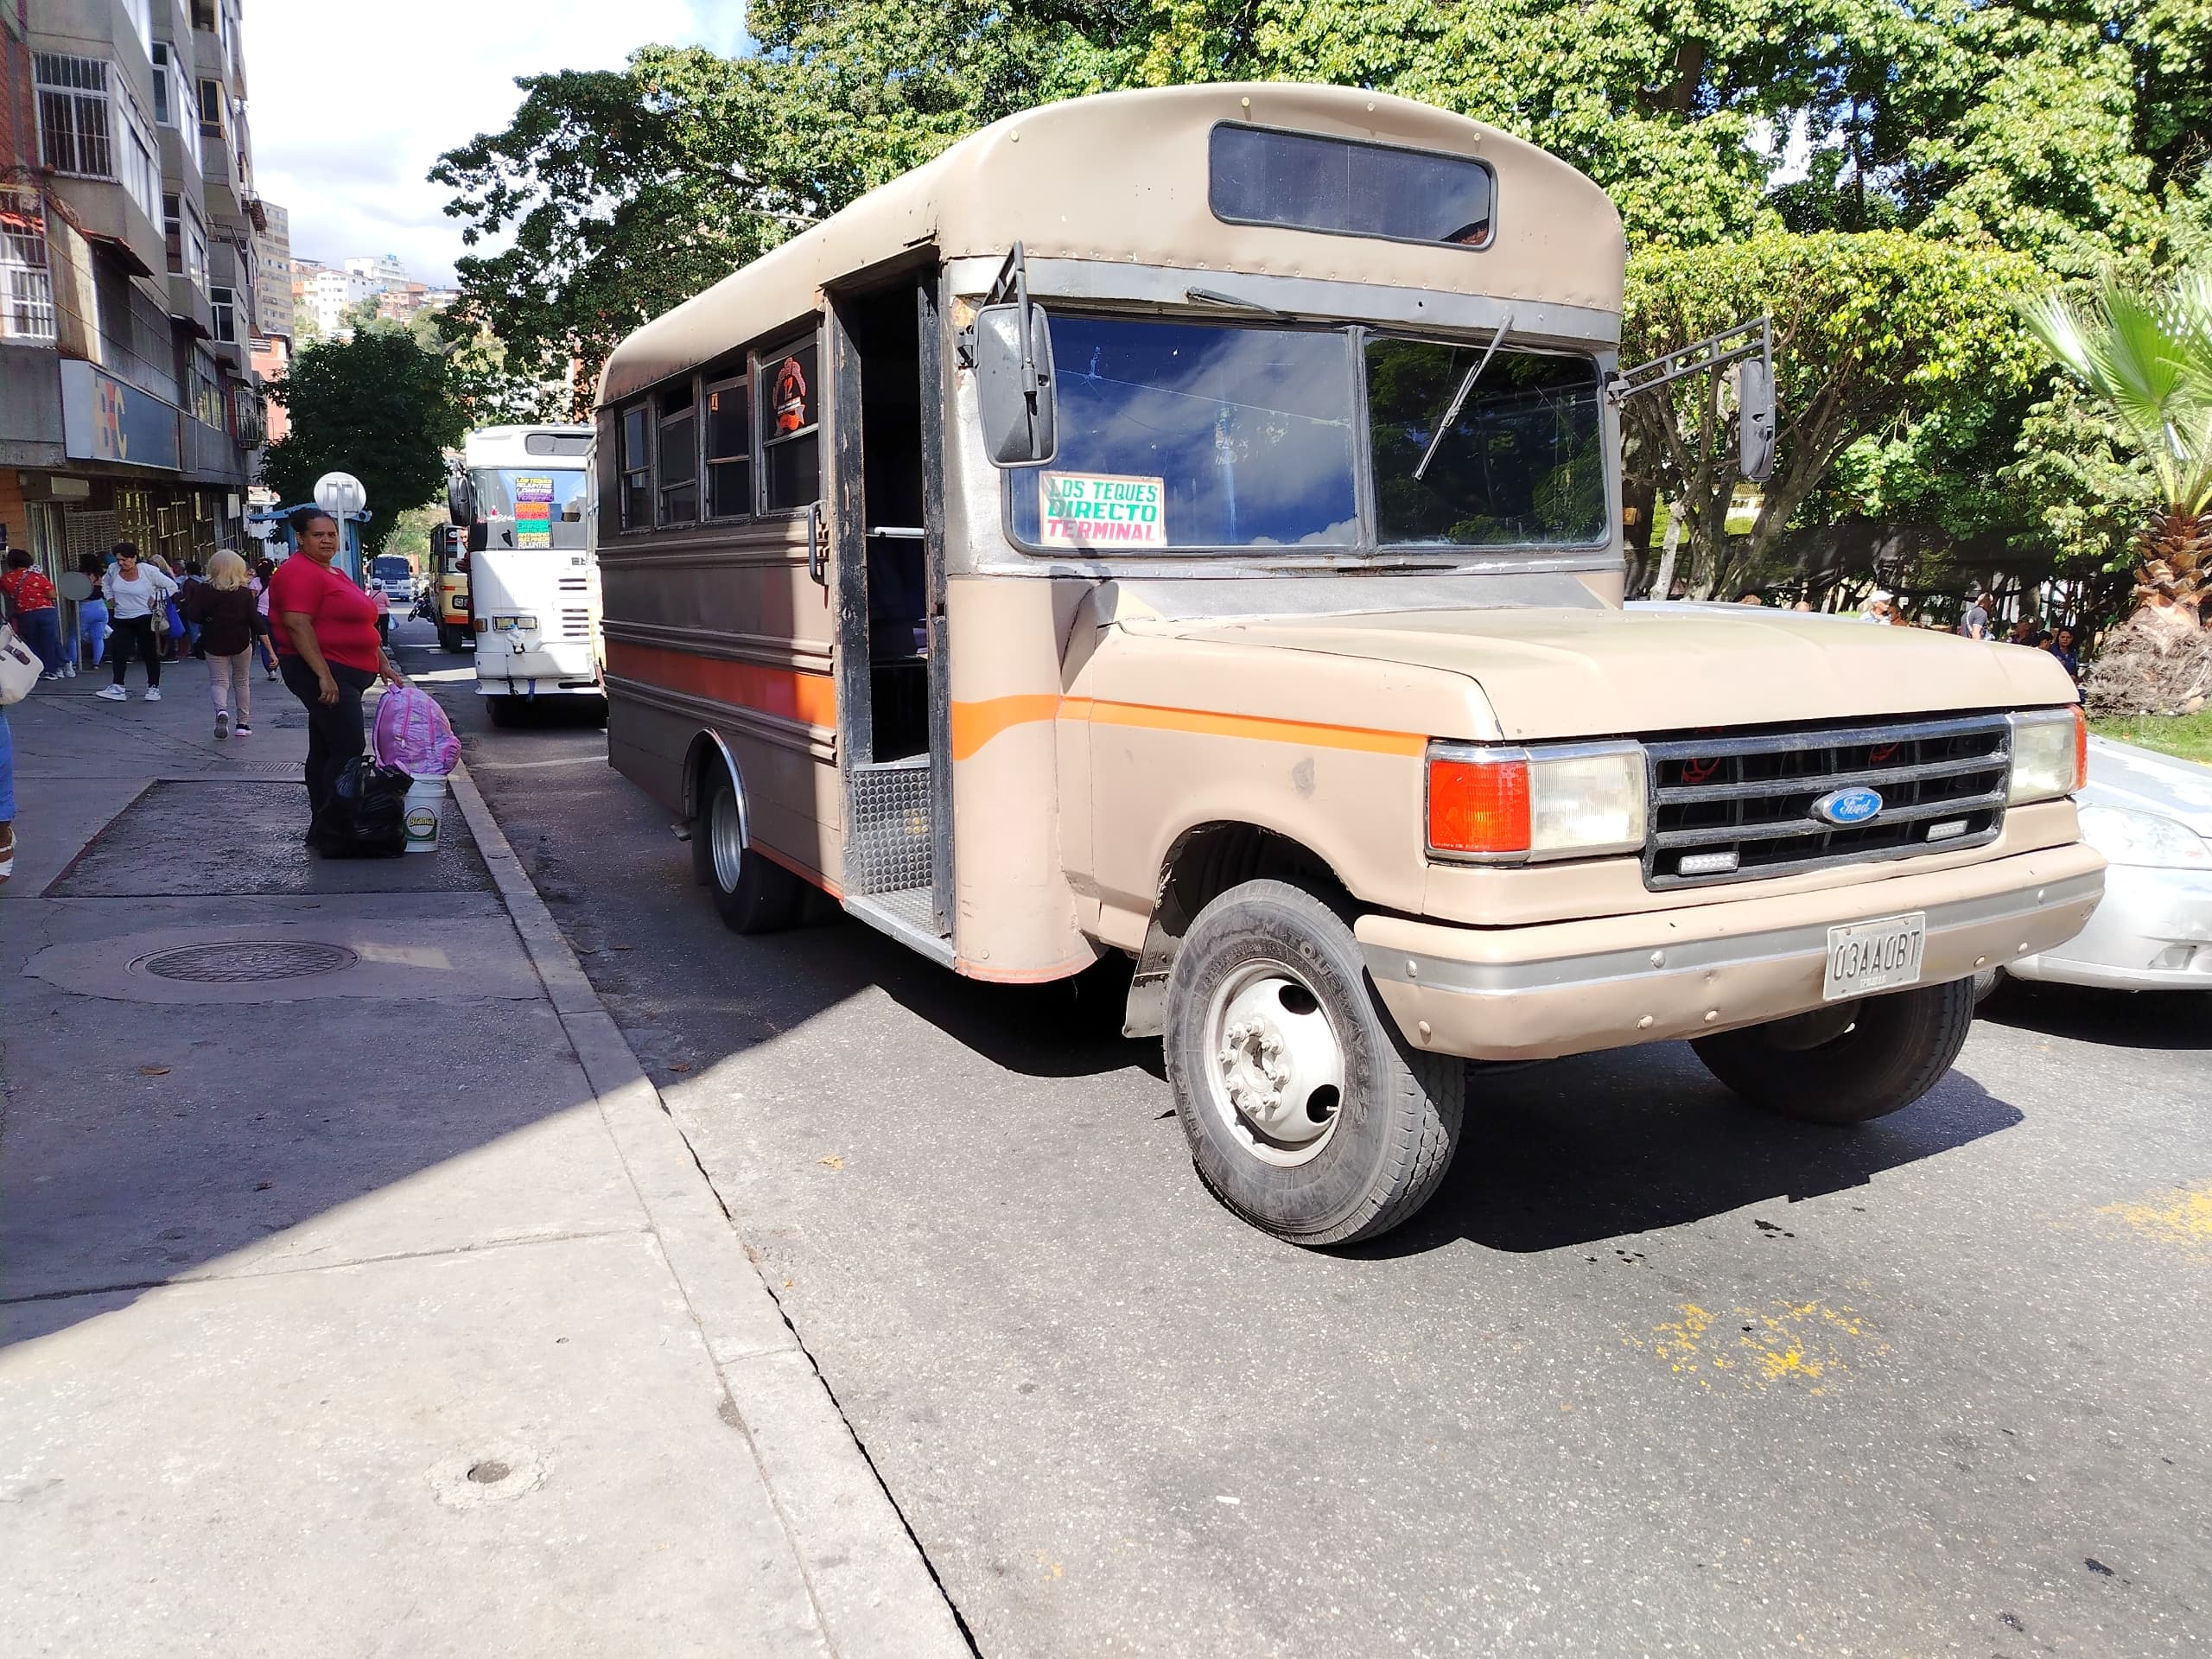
(206, 388)
(26, 287)
(74, 131)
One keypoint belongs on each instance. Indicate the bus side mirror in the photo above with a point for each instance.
(457, 501)
(478, 538)
(1755, 422)
(1015, 385)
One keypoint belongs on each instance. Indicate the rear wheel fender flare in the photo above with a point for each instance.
(707, 749)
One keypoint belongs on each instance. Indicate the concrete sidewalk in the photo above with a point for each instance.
(357, 1294)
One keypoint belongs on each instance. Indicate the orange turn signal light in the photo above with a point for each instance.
(1478, 806)
(2081, 747)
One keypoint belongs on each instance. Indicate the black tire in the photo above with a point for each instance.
(1397, 1123)
(1986, 982)
(506, 713)
(1889, 1051)
(758, 895)
(451, 638)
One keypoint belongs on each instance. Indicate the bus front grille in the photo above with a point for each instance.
(1739, 807)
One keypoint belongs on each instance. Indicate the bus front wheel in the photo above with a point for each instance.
(451, 638)
(751, 893)
(1306, 1112)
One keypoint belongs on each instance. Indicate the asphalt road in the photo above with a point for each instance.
(1653, 1375)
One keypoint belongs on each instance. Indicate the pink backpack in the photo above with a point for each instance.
(413, 734)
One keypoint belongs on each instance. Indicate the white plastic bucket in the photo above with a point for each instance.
(426, 800)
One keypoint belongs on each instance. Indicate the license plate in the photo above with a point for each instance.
(1868, 956)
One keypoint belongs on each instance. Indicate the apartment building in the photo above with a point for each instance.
(129, 278)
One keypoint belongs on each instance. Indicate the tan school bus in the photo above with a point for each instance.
(1183, 525)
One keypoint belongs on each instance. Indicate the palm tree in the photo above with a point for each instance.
(2147, 358)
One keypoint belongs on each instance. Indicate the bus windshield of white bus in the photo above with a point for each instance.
(1185, 437)
(523, 507)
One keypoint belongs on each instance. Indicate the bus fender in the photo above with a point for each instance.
(707, 747)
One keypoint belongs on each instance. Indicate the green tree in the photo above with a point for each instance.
(377, 406)
(1865, 326)
(2145, 360)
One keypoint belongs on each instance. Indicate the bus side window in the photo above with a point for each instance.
(680, 455)
(636, 488)
(789, 434)
(729, 450)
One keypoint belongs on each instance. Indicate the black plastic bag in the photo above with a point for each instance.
(366, 814)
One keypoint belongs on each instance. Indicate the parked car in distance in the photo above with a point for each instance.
(2150, 815)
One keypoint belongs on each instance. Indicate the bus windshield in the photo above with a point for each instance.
(525, 508)
(392, 567)
(1181, 437)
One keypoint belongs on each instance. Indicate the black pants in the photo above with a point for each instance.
(135, 634)
(333, 729)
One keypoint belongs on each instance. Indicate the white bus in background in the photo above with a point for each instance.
(522, 494)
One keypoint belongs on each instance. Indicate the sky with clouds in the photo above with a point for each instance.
(351, 105)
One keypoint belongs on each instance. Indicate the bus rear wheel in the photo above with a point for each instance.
(751, 893)
(1306, 1112)
(1851, 1063)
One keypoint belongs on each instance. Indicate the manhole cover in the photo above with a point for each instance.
(245, 959)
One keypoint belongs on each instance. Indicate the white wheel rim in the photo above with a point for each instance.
(1275, 1069)
(725, 837)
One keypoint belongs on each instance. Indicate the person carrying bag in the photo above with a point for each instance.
(138, 599)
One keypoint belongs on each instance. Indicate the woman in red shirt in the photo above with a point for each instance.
(30, 596)
(327, 649)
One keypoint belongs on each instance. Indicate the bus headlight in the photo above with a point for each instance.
(2050, 754)
(1495, 804)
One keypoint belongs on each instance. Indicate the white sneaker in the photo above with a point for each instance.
(111, 693)
(152, 694)
(222, 724)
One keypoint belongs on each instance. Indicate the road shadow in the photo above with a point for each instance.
(2149, 1020)
(1636, 1141)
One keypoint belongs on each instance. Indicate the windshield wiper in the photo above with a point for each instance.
(1459, 397)
(1215, 296)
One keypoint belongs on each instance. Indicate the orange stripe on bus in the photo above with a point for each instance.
(791, 693)
(1260, 728)
(975, 724)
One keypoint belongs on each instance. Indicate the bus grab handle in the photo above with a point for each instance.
(817, 555)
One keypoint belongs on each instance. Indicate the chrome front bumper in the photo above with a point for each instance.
(1539, 992)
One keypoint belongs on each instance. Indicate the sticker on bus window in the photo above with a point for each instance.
(1102, 510)
(533, 512)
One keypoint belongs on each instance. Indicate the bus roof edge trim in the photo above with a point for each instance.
(1124, 176)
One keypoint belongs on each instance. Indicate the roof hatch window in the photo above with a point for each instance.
(1309, 181)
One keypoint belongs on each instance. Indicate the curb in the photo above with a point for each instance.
(872, 1589)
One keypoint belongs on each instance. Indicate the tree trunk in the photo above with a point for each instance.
(2157, 662)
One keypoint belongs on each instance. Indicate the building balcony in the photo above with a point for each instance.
(108, 214)
(218, 171)
(189, 308)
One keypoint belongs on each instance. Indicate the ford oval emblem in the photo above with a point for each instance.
(1858, 804)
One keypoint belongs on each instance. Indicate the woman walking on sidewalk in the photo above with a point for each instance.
(264, 643)
(134, 591)
(326, 641)
(222, 607)
(37, 613)
(91, 615)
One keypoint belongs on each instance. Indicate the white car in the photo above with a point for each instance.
(2150, 815)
